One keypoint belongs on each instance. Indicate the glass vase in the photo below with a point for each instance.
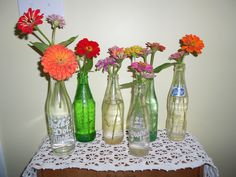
(59, 115)
(152, 104)
(84, 110)
(177, 105)
(113, 112)
(138, 132)
(130, 108)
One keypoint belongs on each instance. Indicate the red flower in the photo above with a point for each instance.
(87, 48)
(29, 20)
(59, 62)
(192, 44)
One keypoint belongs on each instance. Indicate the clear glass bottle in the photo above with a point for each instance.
(84, 110)
(59, 115)
(138, 132)
(152, 105)
(177, 105)
(130, 108)
(113, 112)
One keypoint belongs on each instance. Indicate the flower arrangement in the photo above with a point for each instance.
(144, 69)
(112, 63)
(57, 60)
(189, 44)
(112, 105)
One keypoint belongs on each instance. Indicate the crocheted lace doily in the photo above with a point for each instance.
(163, 155)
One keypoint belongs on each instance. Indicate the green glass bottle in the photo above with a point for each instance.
(84, 110)
(152, 104)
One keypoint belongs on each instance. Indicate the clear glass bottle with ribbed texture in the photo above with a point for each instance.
(177, 105)
(84, 110)
(60, 121)
(113, 112)
(152, 105)
(138, 132)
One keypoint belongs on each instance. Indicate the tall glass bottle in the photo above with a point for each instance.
(59, 115)
(130, 108)
(84, 110)
(139, 137)
(152, 104)
(177, 105)
(113, 112)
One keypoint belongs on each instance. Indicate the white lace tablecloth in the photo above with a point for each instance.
(164, 155)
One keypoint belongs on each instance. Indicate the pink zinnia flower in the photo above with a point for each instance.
(155, 46)
(176, 56)
(141, 67)
(117, 53)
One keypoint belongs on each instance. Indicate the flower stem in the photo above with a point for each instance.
(53, 35)
(152, 58)
(45, 37)
(114, 127)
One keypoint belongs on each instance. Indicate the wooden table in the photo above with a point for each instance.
(74, 172)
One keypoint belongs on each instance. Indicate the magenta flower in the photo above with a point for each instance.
(56, 20)
(117, 53)
(105, 64)
(176, 56)
(141, 67)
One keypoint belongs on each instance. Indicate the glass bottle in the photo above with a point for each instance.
(177, 105)
(130, 108)
(59, 115)
(138, 132)
(152, 104)
(113, 112)
(84, 110)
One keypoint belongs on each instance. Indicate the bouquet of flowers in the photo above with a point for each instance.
(57, 60)
(189, 44)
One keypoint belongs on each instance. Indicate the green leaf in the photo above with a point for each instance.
(163, 66)
(69, 41)
(88, 66)
(41, 47)
(126, 85)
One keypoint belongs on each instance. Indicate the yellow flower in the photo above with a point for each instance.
(133, 51)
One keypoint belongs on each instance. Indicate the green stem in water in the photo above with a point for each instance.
(114, 127)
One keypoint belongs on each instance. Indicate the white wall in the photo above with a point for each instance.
(210, 77)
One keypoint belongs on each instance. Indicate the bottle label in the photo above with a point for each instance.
(138, 135)
(178, 91)
(60, 128)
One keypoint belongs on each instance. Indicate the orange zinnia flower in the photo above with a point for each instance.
(59, 62)
(192, 44)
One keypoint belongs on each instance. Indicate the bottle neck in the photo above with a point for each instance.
(179, 74)
(113, 90)
(82, 78)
